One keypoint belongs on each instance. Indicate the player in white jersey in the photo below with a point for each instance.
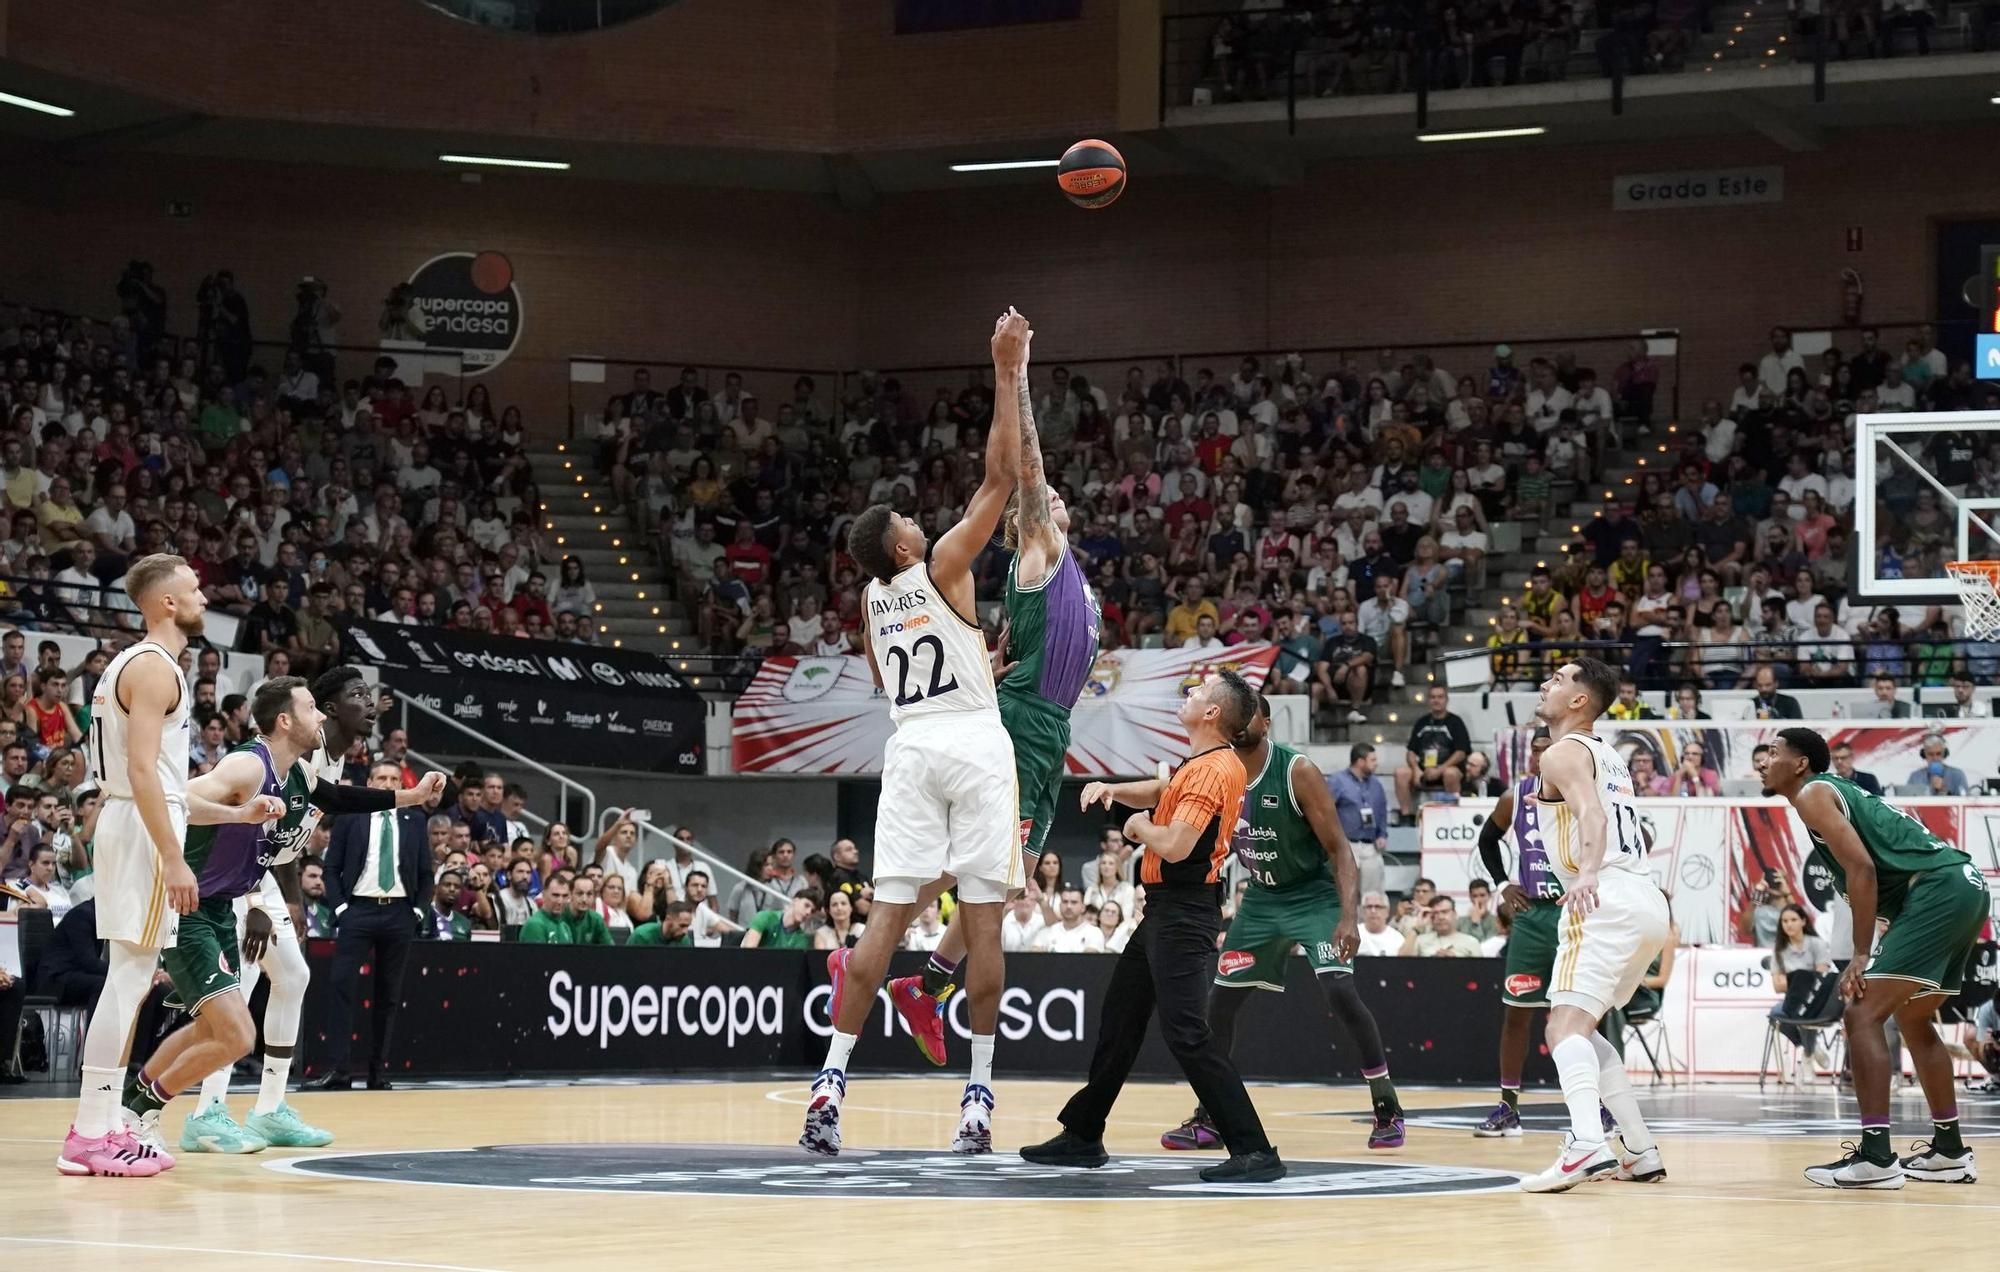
(948, 802)
(1614, 923)
(138, 752)
(269, 933)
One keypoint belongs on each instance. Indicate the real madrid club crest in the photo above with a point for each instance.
(1104, 674)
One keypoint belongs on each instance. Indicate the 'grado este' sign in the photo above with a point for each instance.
(1698, 188)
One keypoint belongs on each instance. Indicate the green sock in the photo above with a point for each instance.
(1511, 1097)
(1944, 1137)
(1383, 1092)
(144, 1096)
(1875, 1145)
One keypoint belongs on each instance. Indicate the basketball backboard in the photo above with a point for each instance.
(1926, 491)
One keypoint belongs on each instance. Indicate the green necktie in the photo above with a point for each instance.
(385, 854)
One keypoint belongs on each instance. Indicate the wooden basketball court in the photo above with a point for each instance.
(626, 1175)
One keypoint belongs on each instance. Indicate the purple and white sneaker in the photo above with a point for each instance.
(1387, 1134)
(1197, 1132)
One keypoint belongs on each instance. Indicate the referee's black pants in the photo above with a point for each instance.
(1168, 963)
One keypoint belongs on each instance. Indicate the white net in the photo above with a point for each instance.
(1977, 588)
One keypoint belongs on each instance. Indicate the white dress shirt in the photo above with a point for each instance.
(369, 884)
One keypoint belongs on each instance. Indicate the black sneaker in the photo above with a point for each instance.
(1067, 1149)
(1261, 1167)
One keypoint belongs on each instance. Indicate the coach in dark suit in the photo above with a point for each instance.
(377, 883)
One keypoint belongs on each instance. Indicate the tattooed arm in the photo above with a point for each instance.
(1039, 542)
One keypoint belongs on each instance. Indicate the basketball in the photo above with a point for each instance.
(1092, 174)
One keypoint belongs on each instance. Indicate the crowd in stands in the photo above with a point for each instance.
(1726, 563)
(1310, 48)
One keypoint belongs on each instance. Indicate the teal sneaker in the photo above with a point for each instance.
(281, 1128)
(212, 1130)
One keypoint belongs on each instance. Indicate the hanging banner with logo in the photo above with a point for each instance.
(1711, 856)
(459, 313)
(608, 708)
(825, 715)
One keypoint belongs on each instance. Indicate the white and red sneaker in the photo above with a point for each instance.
(116, 1154)
(1576, 1164)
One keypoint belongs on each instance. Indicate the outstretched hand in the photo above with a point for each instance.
(1011, 335)
(1095, 793)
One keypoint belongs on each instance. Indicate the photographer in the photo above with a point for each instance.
(400, 319)
(315, 323)
(1759, 926)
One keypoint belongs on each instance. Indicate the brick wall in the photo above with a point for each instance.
(1455, 246)
(781, 74)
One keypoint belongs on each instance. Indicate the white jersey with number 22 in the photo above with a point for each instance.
(933, 661)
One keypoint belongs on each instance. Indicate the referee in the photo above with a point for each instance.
(1169, 960)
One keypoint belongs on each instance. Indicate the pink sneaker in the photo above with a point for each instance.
(114, 1154)
(836, 974)
(922, 1013)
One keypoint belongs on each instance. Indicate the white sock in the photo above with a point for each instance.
(982, 1060)
(97, 1102)
(214, 1090)
(839, 1050)
(1577, 1067)
(271, 1090)
(1614, 1088)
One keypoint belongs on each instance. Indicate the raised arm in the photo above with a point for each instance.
(227, 793)
(1038, 543)
(955, 550)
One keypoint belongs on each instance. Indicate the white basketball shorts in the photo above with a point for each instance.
(131, 894)
(1602, 956)
(948, 807)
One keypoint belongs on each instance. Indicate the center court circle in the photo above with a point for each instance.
(739, 1171)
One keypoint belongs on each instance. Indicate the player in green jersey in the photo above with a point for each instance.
(1887, 863)
(1303, 885)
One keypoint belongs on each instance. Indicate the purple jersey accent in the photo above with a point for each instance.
(1069, 636)
(240, 853)
(1533, 873)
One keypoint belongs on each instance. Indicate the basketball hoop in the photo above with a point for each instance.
(1979, 588)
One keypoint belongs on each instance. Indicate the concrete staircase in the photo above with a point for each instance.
(633, 608)
(1393, 711)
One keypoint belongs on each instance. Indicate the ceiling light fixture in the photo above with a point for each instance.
(1490, 134)
(29, 103)
(1006, 165)
(495, 161)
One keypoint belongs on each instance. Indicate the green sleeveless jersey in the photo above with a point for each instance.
(1051, 635)
(1900, 846)
(1273, 840)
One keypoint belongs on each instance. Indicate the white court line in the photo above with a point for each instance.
(248, 1254)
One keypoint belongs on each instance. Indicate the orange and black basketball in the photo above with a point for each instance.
(1092, 174)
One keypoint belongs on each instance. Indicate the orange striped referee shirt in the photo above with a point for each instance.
(1207, 793)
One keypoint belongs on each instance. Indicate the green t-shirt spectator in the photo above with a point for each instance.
(543, 928)
(218, 425)
(649, 934)
(776, 936)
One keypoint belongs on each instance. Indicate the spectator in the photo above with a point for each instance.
(1345, 667)
(709, 926)
(1072, 933)
(1480, 780)
(1801, 971)
(1377, 938)
(558, 923)
(1768, 703)
(1111, 922)
(671, 928)
(1106, 885)
(442, 920)
(611, 904)
(1963, 705)
(43, 890)
(1384, 618)
(1690, 777)
(1884, 703)
(1411, 915)
(1843, 766)
(790, 928)
(749, 898)
(312, 885)
(1934, 776)
(1479, 921)
(841, 930)
(1023, 922)
(618, 848)
(1441, 939)
(1760, 923)
(1435, 755)
(1363, 808)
